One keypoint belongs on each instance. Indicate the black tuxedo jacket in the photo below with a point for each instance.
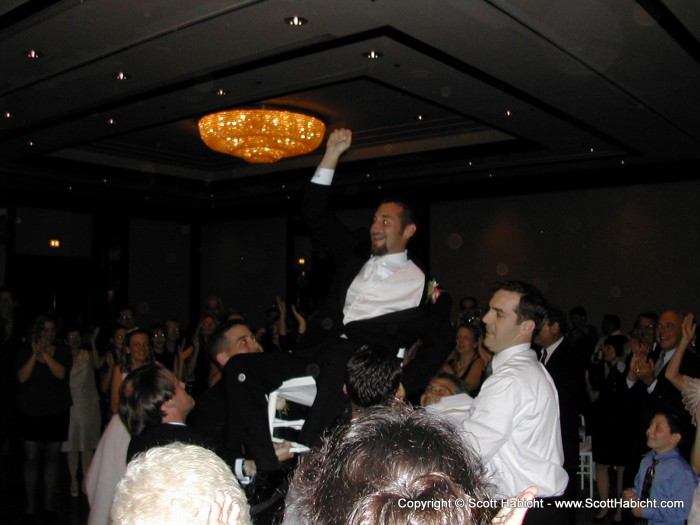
(164, 434)
(349, 251)
(568, 373)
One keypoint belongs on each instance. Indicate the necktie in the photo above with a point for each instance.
(659, 363)
(646, 486)
(543, 356)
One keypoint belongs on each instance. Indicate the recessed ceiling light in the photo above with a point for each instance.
(7, 114)
(121, 76)
(373, 55)
(111, 121)
(296, 21)
(508, 113)
(221, 92)
(33, 53)
(419, 117)
(30, 143)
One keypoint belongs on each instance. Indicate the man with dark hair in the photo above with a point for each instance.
(371, 470)
(567, 370)
(218, 413)
(514, 421)
(153, 405)
(372, 377)
(378, 297)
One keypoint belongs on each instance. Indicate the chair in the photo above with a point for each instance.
(300, 390)
(586, 469)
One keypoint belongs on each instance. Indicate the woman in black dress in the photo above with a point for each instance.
(44, 404)
(607, 390)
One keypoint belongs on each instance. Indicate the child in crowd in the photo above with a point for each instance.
(664, 485)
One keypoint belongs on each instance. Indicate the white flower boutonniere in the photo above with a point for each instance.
(434, 291)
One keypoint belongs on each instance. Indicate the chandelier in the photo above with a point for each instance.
(261, 135)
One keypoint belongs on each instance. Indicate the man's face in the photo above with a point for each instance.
(387, 233)
(502, 328)
(126, 318)
(172, 331)
(659, 436)
(436, 390)
(139, 348)
(647, 329)
(182, 400)
(547, 335)
(668, 331)
(241, 341)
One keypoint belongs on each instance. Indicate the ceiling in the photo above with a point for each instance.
(466, 93)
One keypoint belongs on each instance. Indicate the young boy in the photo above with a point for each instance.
(664, 477)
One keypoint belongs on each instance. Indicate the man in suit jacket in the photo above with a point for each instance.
(653, 392)
(377, 297)
(154, 404)
(567, 370)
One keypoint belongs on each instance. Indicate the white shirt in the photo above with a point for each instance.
(385, 284)
(513, 424)
(552, 349)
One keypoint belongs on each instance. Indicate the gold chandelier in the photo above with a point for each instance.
(261, 135)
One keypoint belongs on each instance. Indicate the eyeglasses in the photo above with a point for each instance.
(439, 390)
(666, 326)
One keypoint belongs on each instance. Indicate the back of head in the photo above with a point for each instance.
(424, 500)
(617, 342)
(141, 397)
(385, 454)
(174, 484)
(372, 376)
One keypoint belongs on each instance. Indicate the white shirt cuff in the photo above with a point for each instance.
(323, 176)
(239, 471)
(651, 387)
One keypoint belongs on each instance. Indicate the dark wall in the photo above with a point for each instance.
(613, 250)
(159, 270)
(244, 263)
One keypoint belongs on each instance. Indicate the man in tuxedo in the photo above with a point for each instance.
(154, 405)
(567, 370)
(377, 297)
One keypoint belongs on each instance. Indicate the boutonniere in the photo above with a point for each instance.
(434, 291)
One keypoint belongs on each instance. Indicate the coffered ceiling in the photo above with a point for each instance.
(465, 93)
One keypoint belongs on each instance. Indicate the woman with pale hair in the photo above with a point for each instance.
(179, 484)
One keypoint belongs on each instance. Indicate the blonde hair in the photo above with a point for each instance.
(174, 484)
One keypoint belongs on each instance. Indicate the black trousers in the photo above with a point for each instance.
(248, 378)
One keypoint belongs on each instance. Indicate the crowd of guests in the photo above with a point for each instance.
(71, 390)
(500, 420)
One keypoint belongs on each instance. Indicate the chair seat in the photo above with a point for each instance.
(300, 390)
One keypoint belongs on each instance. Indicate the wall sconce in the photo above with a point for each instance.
(55, 243)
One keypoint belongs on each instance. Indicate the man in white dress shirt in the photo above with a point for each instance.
(514, 421)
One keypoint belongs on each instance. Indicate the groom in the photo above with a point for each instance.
(377, 298)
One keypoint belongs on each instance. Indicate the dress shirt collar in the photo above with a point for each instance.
(502, 357)
(673, 453)
(391, 261)
(552, 348)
